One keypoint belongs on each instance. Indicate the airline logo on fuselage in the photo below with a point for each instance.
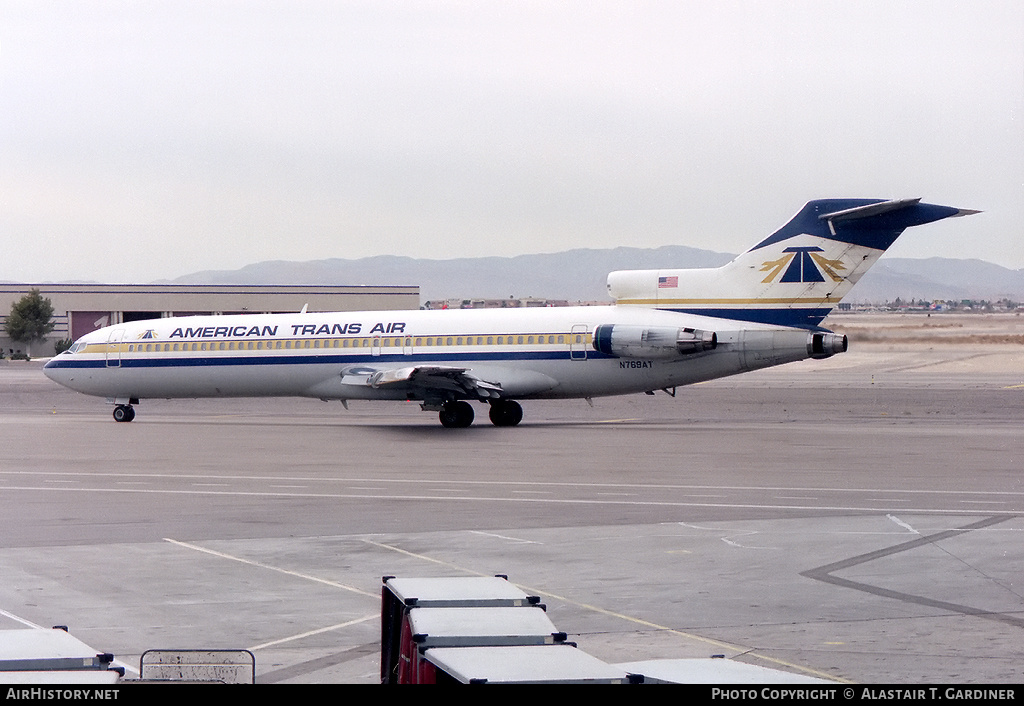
(223, 332)
(314, 329)
(802, 264)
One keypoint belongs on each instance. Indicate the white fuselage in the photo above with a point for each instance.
(530, 353)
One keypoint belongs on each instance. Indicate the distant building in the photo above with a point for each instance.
(81, 308)
(510, 303)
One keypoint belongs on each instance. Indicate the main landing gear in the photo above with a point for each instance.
(124, 413)
(459, 414)
(456, 415)
(506, 413)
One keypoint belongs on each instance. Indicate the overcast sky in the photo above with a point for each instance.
(146, 140)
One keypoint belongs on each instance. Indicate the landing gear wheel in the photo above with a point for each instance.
(124, 413)
(506, 413)
(456, 415)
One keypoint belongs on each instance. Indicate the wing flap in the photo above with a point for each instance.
(437, 377)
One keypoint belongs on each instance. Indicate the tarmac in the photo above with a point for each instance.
(857, 519)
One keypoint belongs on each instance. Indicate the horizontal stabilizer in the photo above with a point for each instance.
(873, 209)
(883, 207)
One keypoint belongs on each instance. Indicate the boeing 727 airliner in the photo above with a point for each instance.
(667, 328)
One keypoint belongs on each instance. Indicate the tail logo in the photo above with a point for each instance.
(804, 264)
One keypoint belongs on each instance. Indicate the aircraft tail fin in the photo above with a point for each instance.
(795, 276)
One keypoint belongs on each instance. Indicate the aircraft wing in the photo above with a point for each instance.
(437, 377)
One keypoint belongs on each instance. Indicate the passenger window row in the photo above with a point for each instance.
(310, 343)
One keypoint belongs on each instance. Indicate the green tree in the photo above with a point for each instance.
(30, 319)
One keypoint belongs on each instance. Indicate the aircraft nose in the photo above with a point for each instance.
(53, 370)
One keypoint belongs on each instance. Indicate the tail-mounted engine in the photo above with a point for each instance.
(625, 341)
(824, 345)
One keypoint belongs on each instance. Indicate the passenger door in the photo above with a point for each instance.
(113, 352)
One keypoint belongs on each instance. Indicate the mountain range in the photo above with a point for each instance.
(580, 275)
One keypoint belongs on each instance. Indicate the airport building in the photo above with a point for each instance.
(81, 308)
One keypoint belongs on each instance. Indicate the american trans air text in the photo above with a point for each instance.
(320, 329)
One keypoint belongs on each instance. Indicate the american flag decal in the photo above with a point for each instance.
(668, 282)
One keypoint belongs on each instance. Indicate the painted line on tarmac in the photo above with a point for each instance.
(551, 501)
(138, 477)
(318, 631)
(262, 565)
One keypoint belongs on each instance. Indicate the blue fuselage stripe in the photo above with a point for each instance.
(178, 361)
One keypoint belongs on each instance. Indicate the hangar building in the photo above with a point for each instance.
(81, 308)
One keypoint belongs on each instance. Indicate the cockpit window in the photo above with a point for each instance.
(76, 347)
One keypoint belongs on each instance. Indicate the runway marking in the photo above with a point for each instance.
(261, 565)
(553, 501)
(428, 481)
(622, 616)
(748, 533)
(318, 631)
(15, 618)
(422, 557)
(902, 524)
(691, 526)
(501, 536)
